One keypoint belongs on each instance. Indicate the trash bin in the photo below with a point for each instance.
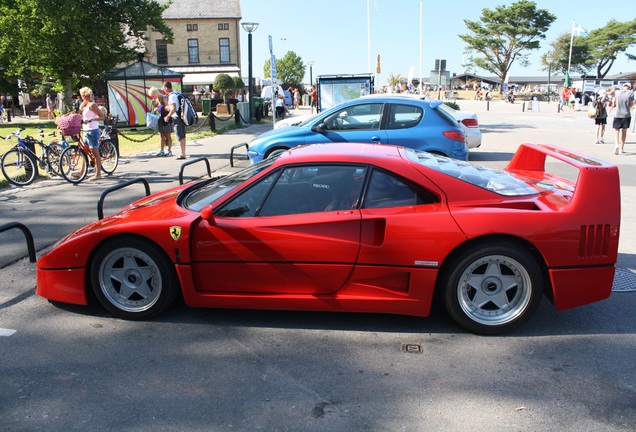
(205, 106)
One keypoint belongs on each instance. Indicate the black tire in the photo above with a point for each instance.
(19, 168)
(133, 278)
(492, 288)
(73, 164)
(53, 154)
(110, 156)
(275, 152)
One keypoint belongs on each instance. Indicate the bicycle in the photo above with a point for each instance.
(77, 158)
(20, 164)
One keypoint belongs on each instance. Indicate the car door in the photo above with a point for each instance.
(353, 123)
(293, 232)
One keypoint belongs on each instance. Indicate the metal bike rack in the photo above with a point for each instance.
(100, 203)
(27, 234)
(243, 144)
(185, 164)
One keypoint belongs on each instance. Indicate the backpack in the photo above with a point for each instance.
(186, 111)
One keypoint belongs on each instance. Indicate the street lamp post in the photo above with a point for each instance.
(311, 77)
(250, 27)
(549, 59)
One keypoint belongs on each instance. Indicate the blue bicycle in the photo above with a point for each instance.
(20, 164)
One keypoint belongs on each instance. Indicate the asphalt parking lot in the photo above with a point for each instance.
(79, 368)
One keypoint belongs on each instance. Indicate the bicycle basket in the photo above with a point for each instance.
(69, 124)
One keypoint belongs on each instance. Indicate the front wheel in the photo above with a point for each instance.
(73, 164)
(275, 152)
(133, 278)
(18, 167)
(109, 155)
(492, 288)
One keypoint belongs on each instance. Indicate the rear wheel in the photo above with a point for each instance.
(492, 288)
(73, 164)
(18, 167)
(53, 153)
(133, 278)
(109, 155)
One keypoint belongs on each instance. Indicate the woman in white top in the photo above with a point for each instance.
(91, 115)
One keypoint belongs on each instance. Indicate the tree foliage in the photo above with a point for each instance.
(506, 34)
(224, 84)
(581, 56)
(596, 51)
(290, 69)
(74, 40)
(608, 42)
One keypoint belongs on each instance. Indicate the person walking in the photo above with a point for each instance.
(91, 115)
(313, 94)
(161, 106)
(174, 114)
(623, 103)
(50, 107)
(601, 104)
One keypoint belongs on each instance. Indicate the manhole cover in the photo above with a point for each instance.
(624, 281)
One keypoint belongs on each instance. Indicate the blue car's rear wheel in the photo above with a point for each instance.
(133, 278)
(492, 288)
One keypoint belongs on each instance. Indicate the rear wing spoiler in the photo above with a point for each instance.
(597, 186)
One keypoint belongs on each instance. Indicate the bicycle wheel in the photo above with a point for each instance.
(109, 155)
(73, 164)
(53, 153)
(18, 167)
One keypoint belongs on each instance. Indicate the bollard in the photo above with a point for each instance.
(211, 120)
(237, 116)
(9, 114)
(523, 107)
(487, 105)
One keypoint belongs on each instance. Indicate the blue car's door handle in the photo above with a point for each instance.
(376, 139)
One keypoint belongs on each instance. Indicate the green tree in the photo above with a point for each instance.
(395, 80)
(607, 42)
(75, 41)
(581, 55)
(224, 84)
(506, 34)
(238, 83)
(290, 69)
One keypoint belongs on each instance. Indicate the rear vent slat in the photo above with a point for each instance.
(594, 241)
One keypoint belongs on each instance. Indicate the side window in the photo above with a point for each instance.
(386, 190)
(404, 116)
(247, 203)
(310, 189)
(357, 117)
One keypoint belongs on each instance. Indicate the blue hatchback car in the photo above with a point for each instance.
(382, 119)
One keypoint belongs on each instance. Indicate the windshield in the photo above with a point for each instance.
(212, 191)
(498, 181)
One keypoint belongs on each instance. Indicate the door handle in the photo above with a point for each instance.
(376, 139)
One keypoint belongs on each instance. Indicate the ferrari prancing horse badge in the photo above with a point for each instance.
(175, 232)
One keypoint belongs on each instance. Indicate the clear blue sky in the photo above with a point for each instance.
(333, 33)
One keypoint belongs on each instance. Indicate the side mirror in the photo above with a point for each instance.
(320, 127)
(207, 213)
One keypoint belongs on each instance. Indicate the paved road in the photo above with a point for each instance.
(78, 368)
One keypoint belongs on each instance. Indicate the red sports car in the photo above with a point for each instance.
(359, 228)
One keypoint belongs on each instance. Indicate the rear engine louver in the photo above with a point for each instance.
(594, 241)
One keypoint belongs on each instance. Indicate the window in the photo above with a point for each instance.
(386, 190)
(301, 189)
(193, 50)
(357, 117)
(224, 50)
(162, 52)
(404, 116)
(224, 26)
(192, 27)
